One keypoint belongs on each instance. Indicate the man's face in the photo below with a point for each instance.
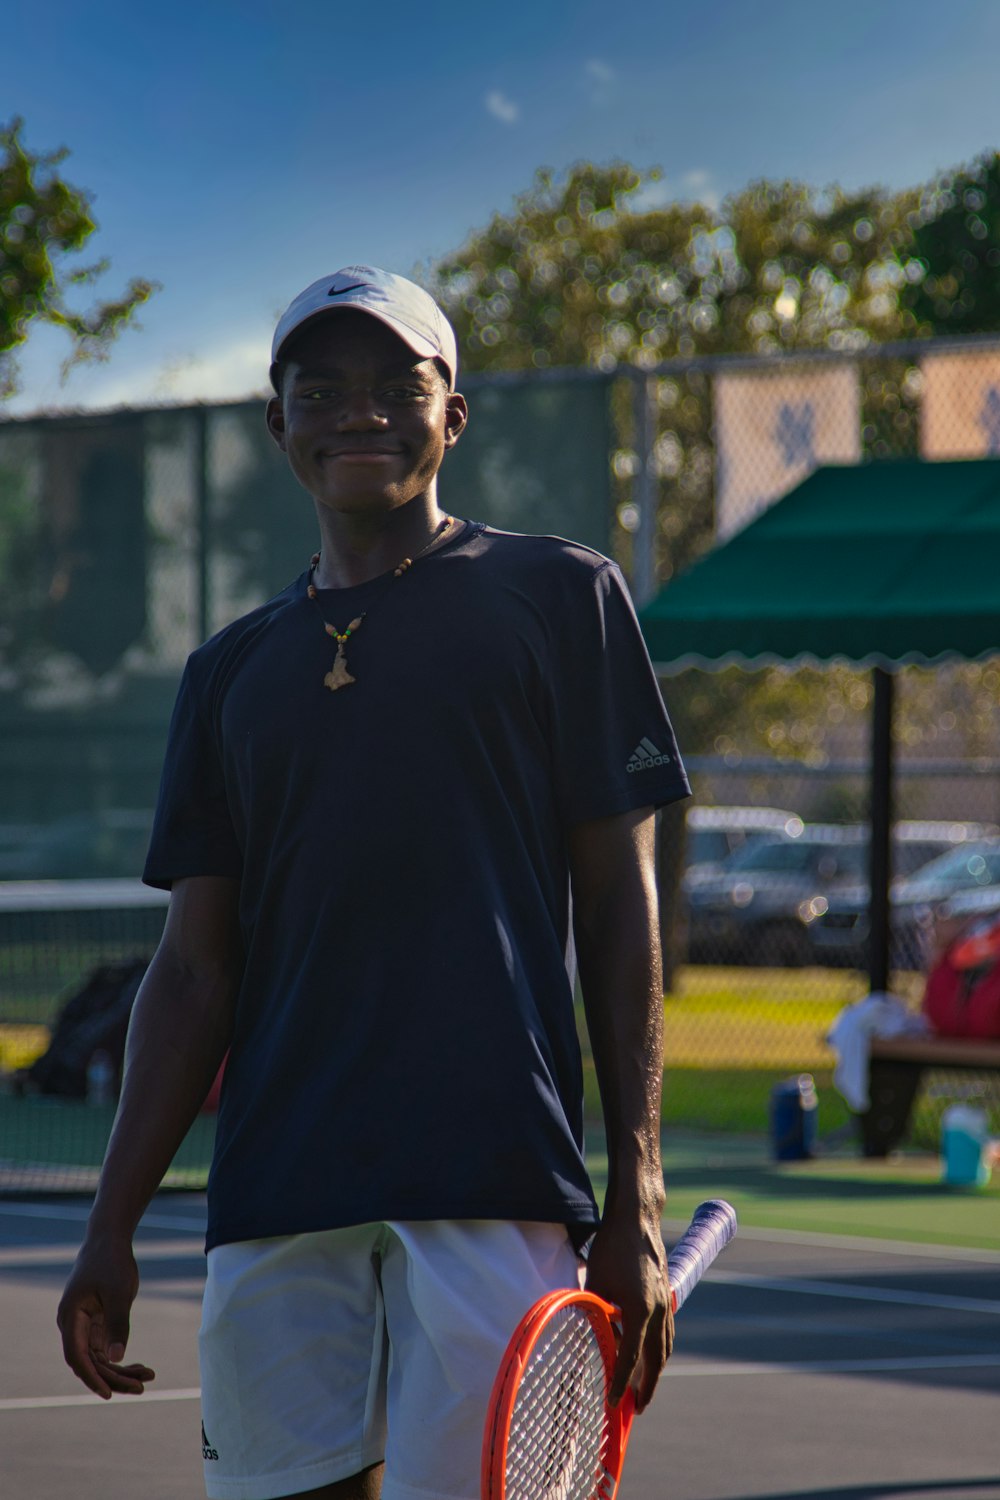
(363, 420)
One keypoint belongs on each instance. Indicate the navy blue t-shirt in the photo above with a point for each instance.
(404, 1041)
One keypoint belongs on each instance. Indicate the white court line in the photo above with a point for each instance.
(71, 1213)
(808, 1288)
(76, 1214)
(856, 1242)
(38, 1403)
(678, 1370)
(65, 1255)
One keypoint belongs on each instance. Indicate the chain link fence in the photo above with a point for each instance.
(767, 925)
(765, 880)
(127, 538)
(707, 443)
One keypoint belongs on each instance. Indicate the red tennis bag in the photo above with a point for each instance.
(962, 997)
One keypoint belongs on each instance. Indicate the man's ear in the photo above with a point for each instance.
(274, 416)
(456, 415)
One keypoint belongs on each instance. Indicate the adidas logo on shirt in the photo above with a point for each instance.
(646, 756)
(207, 1451)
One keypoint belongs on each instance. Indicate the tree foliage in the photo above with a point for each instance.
(956, 240)
(589, 268)
(44, 219)
(580, 272)
(583, 272)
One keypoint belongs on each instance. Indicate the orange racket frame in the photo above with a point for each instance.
(602, 1316)
(711, 1229)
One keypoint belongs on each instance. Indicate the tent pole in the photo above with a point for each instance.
(880, 819)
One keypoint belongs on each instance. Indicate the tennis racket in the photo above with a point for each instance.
(550, 1431)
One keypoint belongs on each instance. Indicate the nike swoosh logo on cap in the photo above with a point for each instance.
(338, 291)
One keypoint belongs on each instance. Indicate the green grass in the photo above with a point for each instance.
(36, 981)
(20, 1045)
(902, 1199)
(726, 986)
(731, 1034)
(730, 1099)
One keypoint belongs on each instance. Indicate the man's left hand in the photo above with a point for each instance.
(627, 1265)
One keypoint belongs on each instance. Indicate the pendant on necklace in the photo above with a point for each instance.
(338, 675)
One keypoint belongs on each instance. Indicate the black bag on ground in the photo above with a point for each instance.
(95, 1019)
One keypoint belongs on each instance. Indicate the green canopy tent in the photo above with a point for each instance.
(879, 565)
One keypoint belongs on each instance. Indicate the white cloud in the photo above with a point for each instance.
(228, 373)
(239, 369)
(601, 81)
(654, 194)
(699, 185)
(502, 108)
(693, 187)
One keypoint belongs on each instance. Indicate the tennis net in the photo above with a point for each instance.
(59, 939)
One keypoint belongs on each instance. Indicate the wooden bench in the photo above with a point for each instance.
(895, 1069)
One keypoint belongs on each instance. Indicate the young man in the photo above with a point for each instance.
(381, 789)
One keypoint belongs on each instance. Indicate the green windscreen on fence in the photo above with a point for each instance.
(126, 539)
(534, 458)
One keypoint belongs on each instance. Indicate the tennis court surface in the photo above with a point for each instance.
(809, 1367)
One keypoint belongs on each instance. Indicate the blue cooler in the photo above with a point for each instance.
(793, 1118)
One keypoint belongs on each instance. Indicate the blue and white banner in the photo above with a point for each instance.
(960, 405)
(772, 428)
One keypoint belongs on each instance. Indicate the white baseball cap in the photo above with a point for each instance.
(400, 304)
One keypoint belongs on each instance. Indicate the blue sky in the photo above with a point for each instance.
(236, 151)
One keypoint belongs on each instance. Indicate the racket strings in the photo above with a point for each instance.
(559, 1426)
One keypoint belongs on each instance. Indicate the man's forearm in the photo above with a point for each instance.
(616, 925)
(180, 1029)
(181, 1025)
(617, 939)
(620, 975)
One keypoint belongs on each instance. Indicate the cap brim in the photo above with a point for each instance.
(412, 340)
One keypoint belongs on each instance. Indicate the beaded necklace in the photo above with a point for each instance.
(338, 675)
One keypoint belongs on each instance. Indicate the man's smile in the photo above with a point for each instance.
(353, 455)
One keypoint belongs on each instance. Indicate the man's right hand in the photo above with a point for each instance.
(93, 1319)
(181, 1026)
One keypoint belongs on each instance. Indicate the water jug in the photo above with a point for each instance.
(963, 1146)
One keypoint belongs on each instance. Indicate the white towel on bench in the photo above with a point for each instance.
(878, 1014)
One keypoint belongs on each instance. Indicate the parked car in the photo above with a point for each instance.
(970, 863)
(917, 841)
(968, 905)
(802, 897)
(756, 908)
(713, 834)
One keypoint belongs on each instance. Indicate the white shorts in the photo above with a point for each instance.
(322, 1354)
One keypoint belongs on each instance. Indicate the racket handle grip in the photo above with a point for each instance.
(710, 1230)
